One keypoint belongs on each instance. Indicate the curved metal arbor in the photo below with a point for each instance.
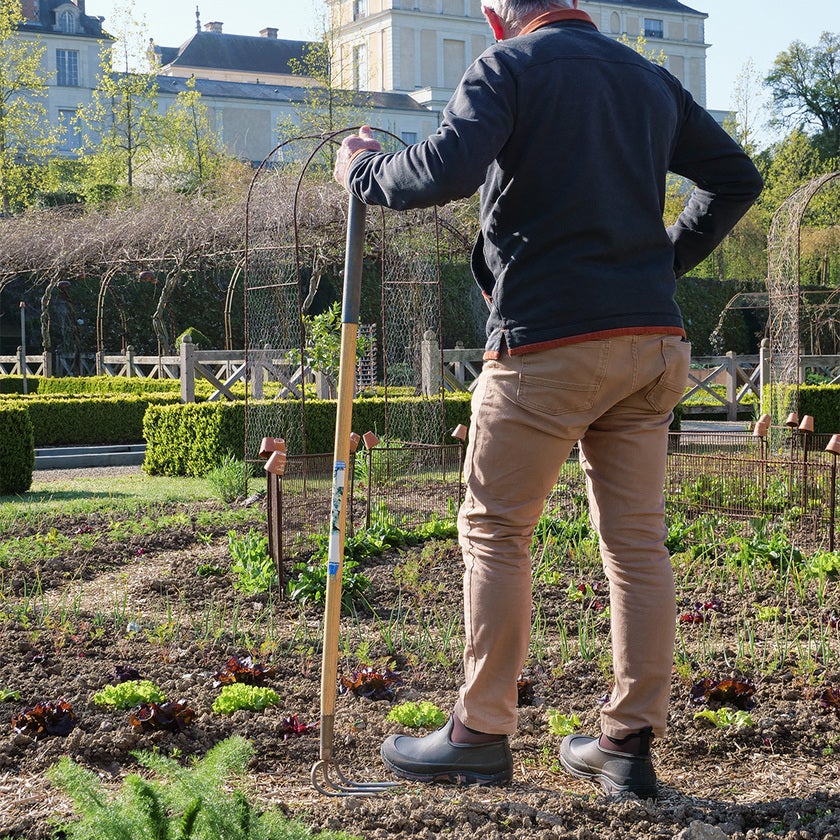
(294, 237)
(783, 247)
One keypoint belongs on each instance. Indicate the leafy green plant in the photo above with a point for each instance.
(176, 803)
(323, 342)
(725, 717)
(252, 698)
(309, 583)
(560, 724)
(230, 479)
(127, 695)
(416, 714)
(767, 613)
(8, 694)
(823, 563)
(253, 567)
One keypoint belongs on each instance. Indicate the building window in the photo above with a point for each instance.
(359, 9)
(68, 138)
(360, 67)
(67, 22)
(67, 68)
(409, 137)
(654, 28)
(615, 23)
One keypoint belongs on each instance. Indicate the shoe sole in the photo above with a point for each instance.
(609, 786)
(455, 777)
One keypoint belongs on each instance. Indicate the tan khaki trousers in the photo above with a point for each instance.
(616, 397)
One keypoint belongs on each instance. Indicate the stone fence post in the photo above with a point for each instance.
(187, 370)
(430, 364)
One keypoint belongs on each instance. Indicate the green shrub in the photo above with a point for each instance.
(14, 384)
(77, 420)
(17, 449)
(108, 385)
(192, 439)
(822, 402)
(198, 338)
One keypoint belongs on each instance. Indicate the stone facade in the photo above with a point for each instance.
(422, 47)
(407, 55)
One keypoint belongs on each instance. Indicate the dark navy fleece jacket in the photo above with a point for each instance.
(571, 136)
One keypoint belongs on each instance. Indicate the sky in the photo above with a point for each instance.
(737, 30)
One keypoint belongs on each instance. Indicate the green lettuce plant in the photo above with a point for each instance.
(724, 717)
(127, 695)
(421, 713)
(238, 696)
(562, 725)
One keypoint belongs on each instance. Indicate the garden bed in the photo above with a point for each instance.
(121, 596)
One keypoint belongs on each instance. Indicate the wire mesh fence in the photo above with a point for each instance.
(728, 474)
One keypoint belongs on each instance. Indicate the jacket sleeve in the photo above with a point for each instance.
(453, 162)
(727, 184)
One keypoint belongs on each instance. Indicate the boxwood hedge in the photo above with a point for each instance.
(17, 449)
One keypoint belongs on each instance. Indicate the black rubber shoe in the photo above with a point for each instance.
(434, 758)
(617, 772)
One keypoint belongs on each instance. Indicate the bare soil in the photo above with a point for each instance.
(777, 778)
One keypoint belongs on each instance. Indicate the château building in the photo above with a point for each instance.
(405, 55)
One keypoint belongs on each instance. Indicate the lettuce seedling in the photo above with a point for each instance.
(291, 727)
(830, 700)
(725, 716)
(524, 691)
(173, 717)
(366, 682)
(415, 715)
(237, 670)
(562, 725)
(238, 696)
(738, 693)
(8, 694)
(46, 719)
(129, 694)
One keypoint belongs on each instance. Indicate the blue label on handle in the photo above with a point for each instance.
(332, 569)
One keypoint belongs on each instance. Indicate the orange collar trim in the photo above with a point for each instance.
(552, 17)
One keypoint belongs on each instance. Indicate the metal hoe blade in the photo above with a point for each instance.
(325, 768)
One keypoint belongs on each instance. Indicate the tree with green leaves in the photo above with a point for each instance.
(805, 86)
(189, 151)
(26, 136)
(120, 124)
(325, 107)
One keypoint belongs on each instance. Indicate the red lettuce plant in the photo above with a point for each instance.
(174, 716)
(738, 693)
(46, 719)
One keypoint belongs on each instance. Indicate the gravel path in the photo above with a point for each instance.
(47, 476)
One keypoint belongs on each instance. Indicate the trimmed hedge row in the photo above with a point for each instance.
(66, 420)
(822, 402)
(192, 439)
(17, 449)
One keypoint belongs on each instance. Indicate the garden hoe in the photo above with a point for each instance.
(324, 769)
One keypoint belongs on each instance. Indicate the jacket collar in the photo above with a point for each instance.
(553, 17)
